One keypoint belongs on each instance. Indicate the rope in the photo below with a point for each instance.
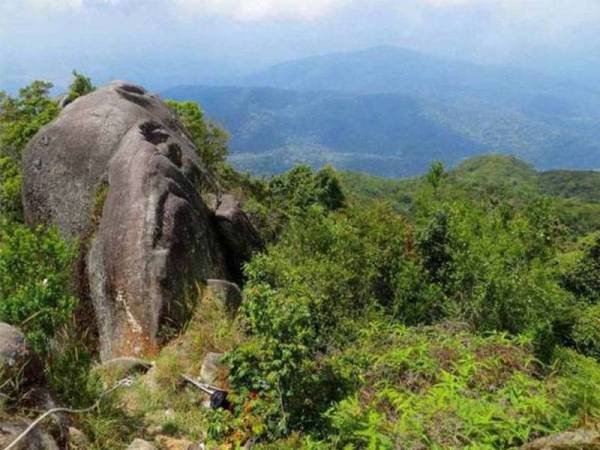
(218, 400)
(124, 382)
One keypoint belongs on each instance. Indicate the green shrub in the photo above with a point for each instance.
(586, 332)
(443, 387)
(577, 385)
(35, 277)
(583, 279)
(20, 118)
(69, 368)
(300, 188)
(210, 139)
(80, 86)
(494, 265)
(10, 189)
(302, 297)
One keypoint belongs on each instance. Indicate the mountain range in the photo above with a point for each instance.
(390, 111)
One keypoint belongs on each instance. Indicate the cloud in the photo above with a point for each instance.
(554, 12)
(241, 10)
(41, 5)
(254, 10)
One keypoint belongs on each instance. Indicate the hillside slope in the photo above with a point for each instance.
(576, 194)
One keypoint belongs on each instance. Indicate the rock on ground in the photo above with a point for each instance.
(37, 439)
(227, 294)
(140, 444)
(212, 367)
(584, 439)
(78, 440)
(20, 367)
(117, 171)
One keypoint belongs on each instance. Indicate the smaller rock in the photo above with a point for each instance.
(584, 439)
(228, 295)
(140, 444)
(238, 233)
(169, 443)
(20, 367)
(36, 439)
(78, 440)
(212, 368)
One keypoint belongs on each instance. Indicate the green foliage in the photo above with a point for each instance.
(300, 188)
(20, 118)
(301, 299)
(583, 280)
(497, 178)
(488, 261)
(576, 386)
(586, 332)
(11, 182)
(35, 275)
(80, 86)
(444, 387)
(210, 139)
(435, 175)
(69, 368)
(275, 201)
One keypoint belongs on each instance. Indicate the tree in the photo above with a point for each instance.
(584, 279)
(80, 86)
(300, 188)
(20, 118)
(210, 139)
(435, 175)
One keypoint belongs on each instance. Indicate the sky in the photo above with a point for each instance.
(167, 42)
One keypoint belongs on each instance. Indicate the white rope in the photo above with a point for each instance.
(206, 388)
(124, 382)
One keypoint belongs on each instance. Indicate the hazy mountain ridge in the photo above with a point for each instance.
(405, 107)
(272, 128)
(267, 125)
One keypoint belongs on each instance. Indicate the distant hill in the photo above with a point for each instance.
(576, 193)
(385, 134)
(390, 111)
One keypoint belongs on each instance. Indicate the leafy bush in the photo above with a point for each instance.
(210, 140)
(20, 118)
(299, 188)
(80, 86)
(302, 298)
(494, 264)
(443, 387)
(35, 276)
(584, 279)
(586, 332)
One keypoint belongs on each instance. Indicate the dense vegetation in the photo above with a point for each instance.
(455, 310)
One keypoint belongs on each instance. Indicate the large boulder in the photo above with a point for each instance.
(117, 171)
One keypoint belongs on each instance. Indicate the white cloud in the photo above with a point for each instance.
(53, 4)
(253, 10)
(554, 13)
